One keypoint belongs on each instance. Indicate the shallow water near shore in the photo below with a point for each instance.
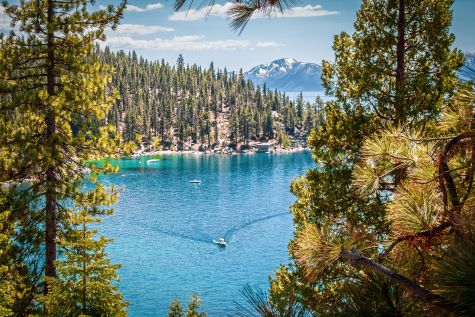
(163, 227)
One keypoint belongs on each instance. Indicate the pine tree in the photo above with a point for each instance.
(193, 307)
(300, 108)
(6, 287)
(55, 100)
(375, 88)
(180, 63)
(426, 253)
(84, 286)
(183, 104)
(399, 61)
(175, 309)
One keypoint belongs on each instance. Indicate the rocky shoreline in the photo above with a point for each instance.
(222, 151)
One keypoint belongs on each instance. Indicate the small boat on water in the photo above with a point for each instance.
(152, 160)
(220, 242)
(195, 181)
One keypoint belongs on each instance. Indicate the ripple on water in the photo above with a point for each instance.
(163, 227)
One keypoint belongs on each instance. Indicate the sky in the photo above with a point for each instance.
(202, 35)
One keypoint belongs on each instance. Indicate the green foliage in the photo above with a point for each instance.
(454, 275)
(193, 307)
(370, 294)
(156, 143)
(84, 285)
(55, 96)
(257, 303)
(398, 62)
(6, 287)
(188, 105)
(241, 12)
(283, 139)
(175, 309)
(425, 182)
(368, 189)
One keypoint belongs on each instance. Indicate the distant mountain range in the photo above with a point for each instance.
(287, 74)
(290, 75)
(470, 60)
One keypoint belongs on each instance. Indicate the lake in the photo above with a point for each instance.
(308, 96)
(164, 226)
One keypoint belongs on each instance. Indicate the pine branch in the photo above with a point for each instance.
(416, 291)
(422, 234)
(448, 182)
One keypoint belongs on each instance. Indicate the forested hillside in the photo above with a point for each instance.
(187, 107)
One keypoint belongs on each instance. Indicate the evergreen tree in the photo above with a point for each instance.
(368, 87)
(85, 275)
(55, 98)
(425, 254)
(186, 106)
(6, 287)
(193, 307)
(300, 108)
(180, 63)
(175, 309)
(398, 62)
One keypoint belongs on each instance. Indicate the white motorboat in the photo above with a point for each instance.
(195, 181)
(152, 160)
(220, 242)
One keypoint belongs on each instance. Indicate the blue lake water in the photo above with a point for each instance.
(308, 96)
(164, 226)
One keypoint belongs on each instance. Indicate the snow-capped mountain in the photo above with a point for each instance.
(467, 71)
(287, 74)
(470, 60)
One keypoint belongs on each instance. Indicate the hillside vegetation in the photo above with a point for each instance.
(186, 107)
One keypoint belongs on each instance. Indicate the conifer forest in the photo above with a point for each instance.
(378, 170)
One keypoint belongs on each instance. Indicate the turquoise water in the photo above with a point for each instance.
(164, 226)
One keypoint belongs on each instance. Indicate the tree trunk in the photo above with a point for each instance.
(50, 209)
(401, 63)
(416, 291)
(84, 284)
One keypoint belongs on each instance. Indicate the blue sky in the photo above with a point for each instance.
(154, 30)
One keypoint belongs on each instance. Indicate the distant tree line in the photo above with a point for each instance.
(187, 104)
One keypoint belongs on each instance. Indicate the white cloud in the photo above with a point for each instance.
(177, 43)
(149, 7)
(4, 20)
(221, 11)
(202, 13)
(306, 11)
(267, 44)
(141, 29)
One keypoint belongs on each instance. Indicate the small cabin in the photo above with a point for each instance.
(263, 147)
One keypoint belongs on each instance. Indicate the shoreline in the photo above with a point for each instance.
(226, 151)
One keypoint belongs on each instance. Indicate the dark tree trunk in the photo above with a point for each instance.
(84, 284)
(415, 290)
(401, 63)
(50, 210)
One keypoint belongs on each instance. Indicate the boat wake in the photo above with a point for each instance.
(184, 236)
(228, 234)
